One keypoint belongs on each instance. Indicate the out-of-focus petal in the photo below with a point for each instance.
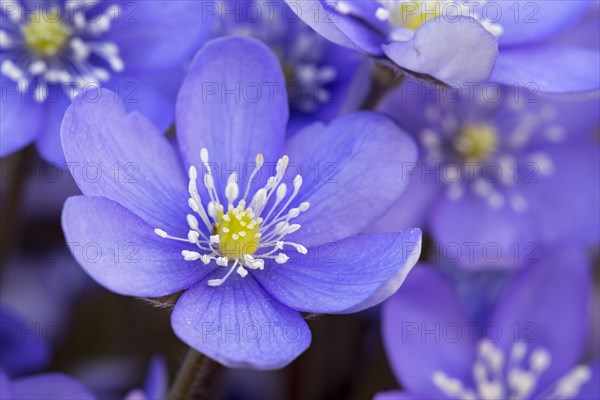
(425, 330)
(551, 68)
(453, 52)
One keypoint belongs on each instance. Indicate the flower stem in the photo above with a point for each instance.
(194, 378)
(383, 80)
(186, 380)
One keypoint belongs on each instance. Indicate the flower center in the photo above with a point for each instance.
(45, 34)
(476, 142)
(516, 375)
(41, 49)
(243, 236)
(411, 14)
(408, 14)
(238, 232)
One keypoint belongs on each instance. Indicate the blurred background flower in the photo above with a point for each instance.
(439, 350)
(492, 161)
(323, 80)
(53, 50)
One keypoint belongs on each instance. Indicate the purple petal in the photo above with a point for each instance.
(345, 276)
(426, 330)
(552, 68)
(50, 387)
(546, 306)
(395, 395)
(6, 389)
(232, 102)
(21, 352)
(48, 142)
(352, 173)
(325, 20)
(469, 59)
(533, 21)
(157, 379)
(124, 158)
(471, 232)
(239, 324)
(122, 253)
(572, 211)
(414, 206)
(21, 120)
(141, 95)
(158, 34)
(586, 33)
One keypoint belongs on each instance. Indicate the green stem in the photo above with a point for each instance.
(185, 382)
(194, 379)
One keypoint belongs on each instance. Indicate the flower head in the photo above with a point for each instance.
(406, 34)
(323, 79)
(459, 42)
(52, 51)
(489, 166)
(249, 234)
(524, 349)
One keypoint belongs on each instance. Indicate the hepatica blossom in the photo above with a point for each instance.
(323, 79)
(530, 347)
(408, 34)
(458, 42)
(51, 51)
(489, 171)
(251, 236)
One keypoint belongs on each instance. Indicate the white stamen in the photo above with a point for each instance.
(281, 258)
(242, 271)
(382, 14)
(232, 190)
(190, 255)
(219, 282)
(193, 236)
(268, 238)
(37, 67)
(5, 41)
(192, 222)
(222, 261)
(160, 233)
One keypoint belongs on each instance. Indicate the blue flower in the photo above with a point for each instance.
(408, 34)
(529, 347)
(497, 177)
(253, 237)
(459, 42)
(43, 386)
(324, 80)
(51, 51)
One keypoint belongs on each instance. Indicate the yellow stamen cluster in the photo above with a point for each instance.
(477, 142)
(45, 34)
(412, 15)
(238, 231)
